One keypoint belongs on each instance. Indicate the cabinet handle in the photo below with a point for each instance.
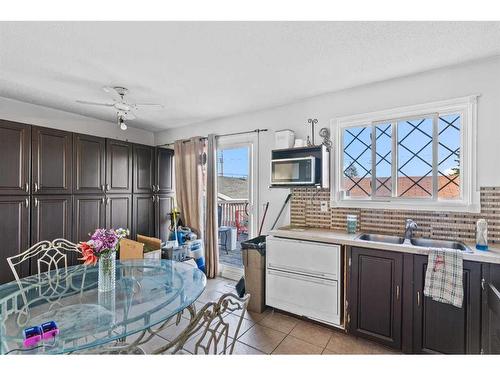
(27, 187)
(102, 188)
(36, 202)
(27, 202)
(107, 201)
(107, 187)
(418, 299)
(103, 200)
(35, 187)
(153, 188)
(157, 188)
(397, 292)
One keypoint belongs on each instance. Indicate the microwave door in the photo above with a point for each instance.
(297, 171)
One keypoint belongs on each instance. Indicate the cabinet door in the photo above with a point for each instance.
(51, 219)
(144, 169)
(15, 154)
(143, 215)
(52, 160)
(89, 167)
(14, 232)
(375, 295)
(88, 215)
(163, 209)
(164, 170)
(443, 328)
(490, 321)
(118, 166)
(119, 211)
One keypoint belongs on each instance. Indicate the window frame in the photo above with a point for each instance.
(469, 200)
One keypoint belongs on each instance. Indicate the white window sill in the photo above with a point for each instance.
(417, 206)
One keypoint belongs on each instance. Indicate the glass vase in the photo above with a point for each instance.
(107, 272)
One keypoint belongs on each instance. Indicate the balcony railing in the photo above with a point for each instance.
(233, 212)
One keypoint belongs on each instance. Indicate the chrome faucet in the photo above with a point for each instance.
(410, 226)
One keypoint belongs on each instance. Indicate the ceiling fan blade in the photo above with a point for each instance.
(129, 116)
(148, 105)
(113, 93)
(94, 103)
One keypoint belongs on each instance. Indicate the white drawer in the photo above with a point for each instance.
(302, 295)
(313, 258)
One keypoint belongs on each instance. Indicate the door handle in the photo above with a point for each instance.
(35, 187)
(397, 292)
(418, 299)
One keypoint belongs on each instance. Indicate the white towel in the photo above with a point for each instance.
(443, 278)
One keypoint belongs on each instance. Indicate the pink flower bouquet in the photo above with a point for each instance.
(101, 243)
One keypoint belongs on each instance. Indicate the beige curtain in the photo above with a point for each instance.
(211, 225)
(189, 182)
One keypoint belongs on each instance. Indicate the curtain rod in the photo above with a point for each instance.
(224, 135)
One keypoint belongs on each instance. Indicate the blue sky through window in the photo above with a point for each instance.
(233, 162)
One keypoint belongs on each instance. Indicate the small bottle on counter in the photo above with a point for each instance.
(352, 223)
(482, 235)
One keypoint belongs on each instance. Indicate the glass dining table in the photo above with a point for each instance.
(148, 294)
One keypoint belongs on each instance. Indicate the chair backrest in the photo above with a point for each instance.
(216, 326)
(50, 257)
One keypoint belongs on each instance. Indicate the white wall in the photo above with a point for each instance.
(481, 77)
(27, 113)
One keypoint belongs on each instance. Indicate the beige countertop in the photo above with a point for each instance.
(343, 238)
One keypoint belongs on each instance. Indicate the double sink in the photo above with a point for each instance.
(420, 242)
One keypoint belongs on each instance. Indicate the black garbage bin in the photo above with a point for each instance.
(253, 252)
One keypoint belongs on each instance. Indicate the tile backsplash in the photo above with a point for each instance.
(305, 211)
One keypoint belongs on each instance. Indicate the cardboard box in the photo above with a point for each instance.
(255, 279)
(130, 249)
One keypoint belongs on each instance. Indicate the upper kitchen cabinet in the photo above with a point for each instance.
(118, 166)
(144, 170)
(15, 153)
(164, 170)
(52, 161)
(443, 328)
(89, 156)
(14, 232)
(375, 307)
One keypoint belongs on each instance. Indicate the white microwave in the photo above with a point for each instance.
(295, 171)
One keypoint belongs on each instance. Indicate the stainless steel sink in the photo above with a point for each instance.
(427, 242)
(381, 238)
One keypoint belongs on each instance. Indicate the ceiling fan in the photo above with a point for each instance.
(124, 109)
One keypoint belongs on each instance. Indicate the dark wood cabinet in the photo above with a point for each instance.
(144, 169)
(15, 154)
(14, 232)
(52, 161)
(490, 321)
(163, 209)
(143, 215)
(119, 211)
(164, 170)
(118, 166)
(375, 295)
(441, 327)
(88, 215)
(89, 157)
(51, 218)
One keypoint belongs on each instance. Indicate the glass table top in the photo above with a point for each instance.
(147, 292)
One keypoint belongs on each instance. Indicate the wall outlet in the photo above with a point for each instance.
(324, 206)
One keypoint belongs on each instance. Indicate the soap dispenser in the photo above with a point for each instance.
(482, 235)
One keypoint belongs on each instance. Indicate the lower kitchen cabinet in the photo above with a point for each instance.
(490, 321)
(14, 232)
(88, 215)
(375, 303)
(440, 327)
(119, 211)
(143, 215)
(163, 209)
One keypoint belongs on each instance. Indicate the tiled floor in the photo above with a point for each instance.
(273, 332)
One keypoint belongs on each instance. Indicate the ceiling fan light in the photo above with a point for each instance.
(123, 126)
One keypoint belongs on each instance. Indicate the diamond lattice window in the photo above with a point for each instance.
(357, 161)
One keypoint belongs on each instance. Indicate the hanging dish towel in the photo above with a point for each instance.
(443, 278)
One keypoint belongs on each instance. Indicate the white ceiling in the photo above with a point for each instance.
(206, 70)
